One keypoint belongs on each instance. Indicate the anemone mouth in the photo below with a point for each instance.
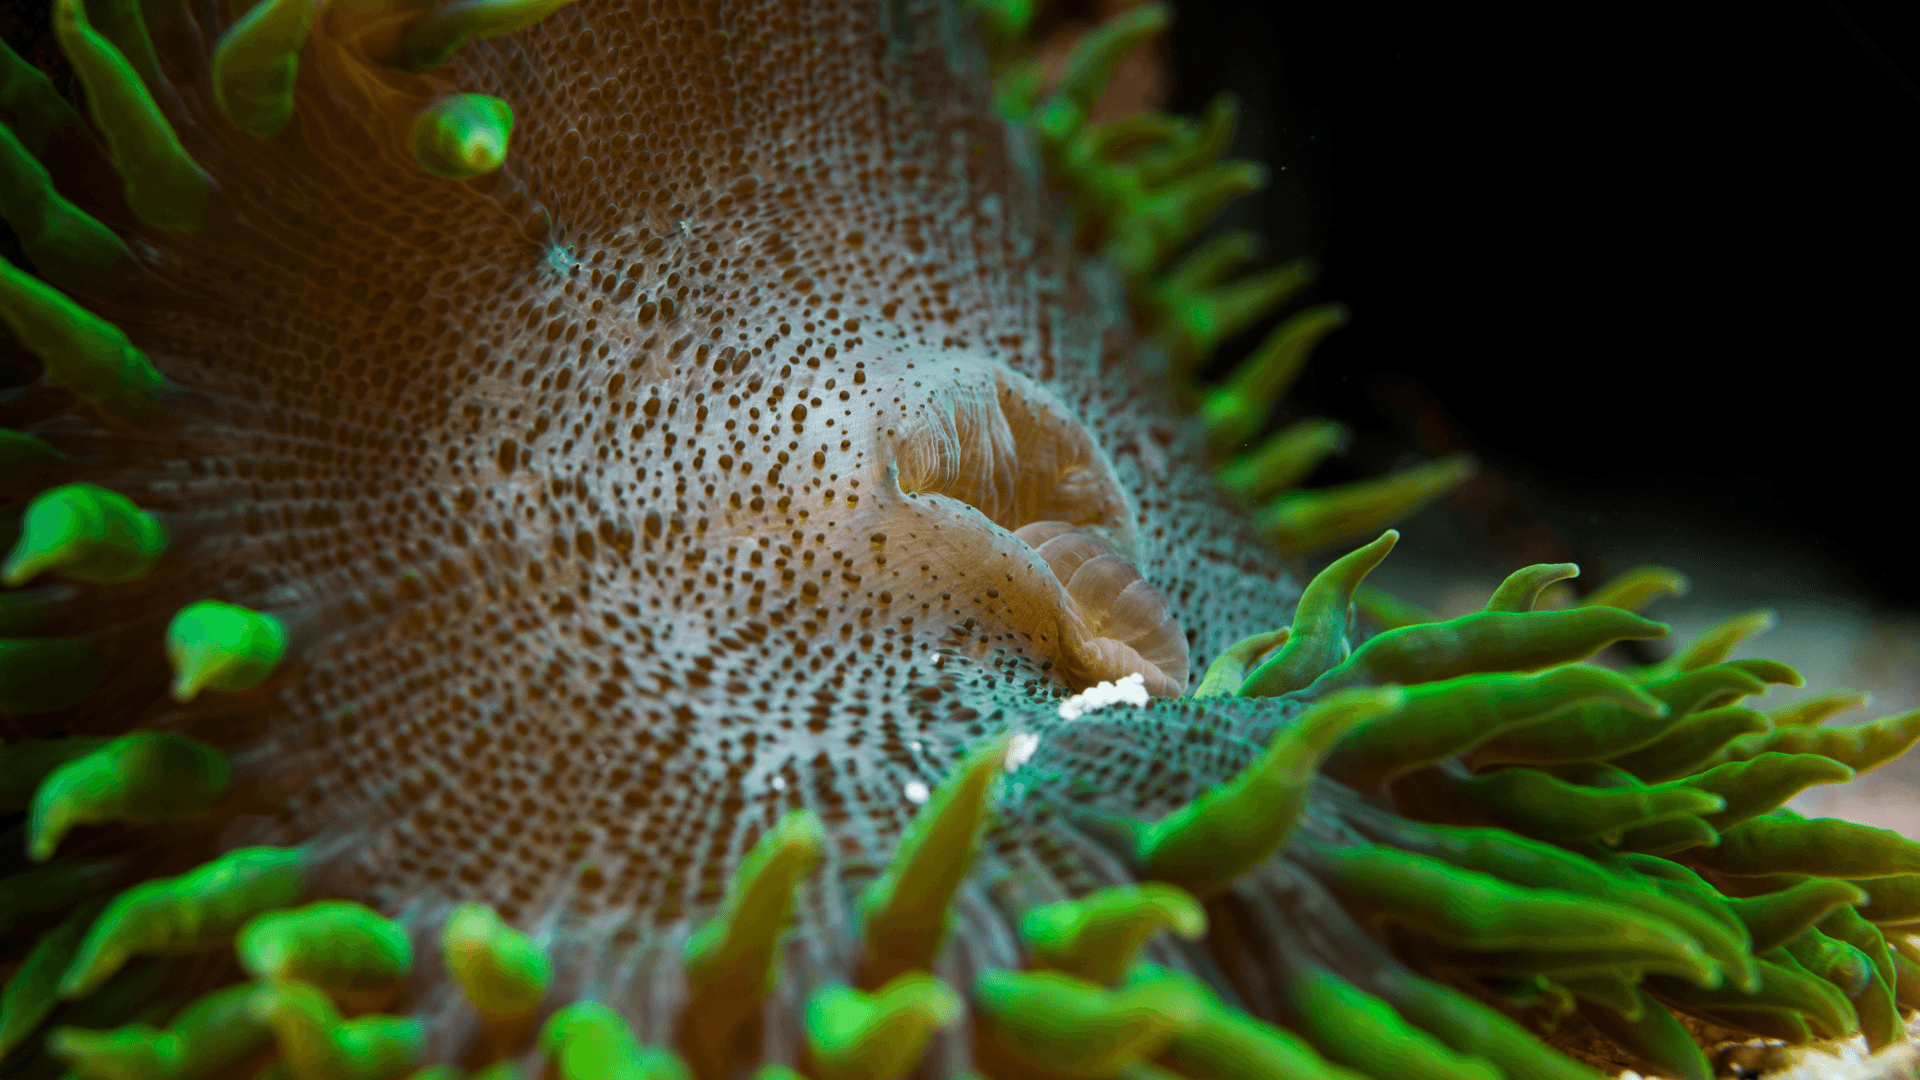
(1009, 452)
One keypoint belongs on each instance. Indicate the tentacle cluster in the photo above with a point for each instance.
(1417, 851)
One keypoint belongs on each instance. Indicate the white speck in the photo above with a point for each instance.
(915, 744)
(939, 658)
(1020, 748)
(779, 783)
(1131, 690)
(916, 792)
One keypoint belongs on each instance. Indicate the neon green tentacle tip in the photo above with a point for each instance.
(18, 448)
(1482, 913)
(904, 913)
(1097, 937)
(67, 246)
(198, 911)
(1635, 589)
(430, 41)
(84, 533)
(1091, 67)
(1284, 459)
(39, 675)
(81, 351)
(341, 947)
(463, 136)
(1333, 1011)
(589, 1041)
(1319, 638)
(39, 112)
(1150, 233)
(1302, 521)
(208, 1035)
(316, 1044)
(255, 64)
(877, 1036)
(1056, 1023)
(1522, 588)
(1235, 411)
(502, 971)
(164, 186)
(1203, 846)
(146, 778)
(735, 951)
(1229, 669)
(216, 646)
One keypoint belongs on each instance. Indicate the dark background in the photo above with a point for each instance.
(1670, 253)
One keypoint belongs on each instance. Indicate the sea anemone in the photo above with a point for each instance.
(552, 540)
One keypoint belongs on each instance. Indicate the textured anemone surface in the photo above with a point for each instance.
(554, 540)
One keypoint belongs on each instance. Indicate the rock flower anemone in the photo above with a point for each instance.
(556, 550)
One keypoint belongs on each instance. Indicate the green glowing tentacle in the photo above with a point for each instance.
(1891, 901)
(1471, 1027)
(1056, 1023)
(904, 913)
(146, 778)
(1097, 938)
(733, 960)
(1813, 710)
(255, 64)
(502, 972)
(1537, 803)
(1652, 1035)
(1536, 864)
(39, 111)
(1861, 746)
(24, 766)
(877, 1036)
(463, 136)
(1784, 987)
(431, 40)
(208, 1035)
(1522, 588)
(1091, 65)
(20, 448)
(32, 990)
(1331, 1011)
(316, 1044)
(1308, 520)
(1229, 669)
(1710, 687)
(224, 647)
(1230, 1045)
(354, 955)
(1773, 919)
(1284, 460)
(164, 186)
(589, 1041)
(1203, 846)
(1906, 988)
(198, 911)
(1174, 214)
(1762, 784)
(1615, 992)
(1205, 317)
(1482, 913)
(1235, 411)
(122, 23)
(1635, 589)
(1669, 835)
(1319, 638)
(1827, 847)
(1487, 641)
(1879, 1012)
(85, 533)
(1588, 731)
(68, 247)
(1692, 743)
(1451, 717)
(82, 352)
(1719, 641)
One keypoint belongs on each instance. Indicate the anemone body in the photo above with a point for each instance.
(659, 469)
